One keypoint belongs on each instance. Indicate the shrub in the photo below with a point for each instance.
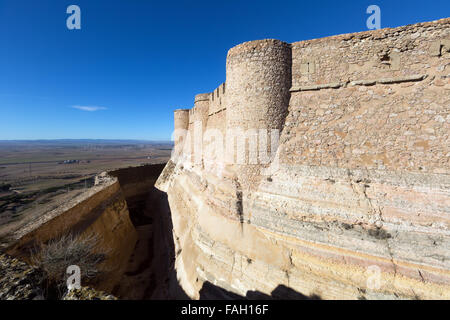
(5, 187)
(55, 256)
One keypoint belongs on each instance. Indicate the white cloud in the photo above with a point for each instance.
(89, 108)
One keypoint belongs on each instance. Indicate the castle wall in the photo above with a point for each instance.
(258, 79)
(386, 104)
(198, 119)
(362, 179)
(181, 125)
(214, 137)
(258, 83)
(217, 100)
(333, 80)
(367, 58)
(201, 109)
(181, 119)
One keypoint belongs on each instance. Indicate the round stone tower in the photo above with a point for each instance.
(181, 125)
(258, 78)
(181, 119)
(201, 104)
(198, 119)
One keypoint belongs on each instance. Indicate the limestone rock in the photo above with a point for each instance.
(19, 281)
(354, 200)
(87, 293)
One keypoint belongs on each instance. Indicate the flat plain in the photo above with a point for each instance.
(37, 176)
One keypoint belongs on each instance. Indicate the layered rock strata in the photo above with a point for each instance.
(355, 200)
(101, 211)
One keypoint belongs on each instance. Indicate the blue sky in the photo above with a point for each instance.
(134, 61)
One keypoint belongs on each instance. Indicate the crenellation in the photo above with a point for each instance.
(361, 171)
(399, 52)
(181, 118)
(181, 124)
(264, 77)
(217, 101)
(201, 109)
(202, 97)
(366, 58)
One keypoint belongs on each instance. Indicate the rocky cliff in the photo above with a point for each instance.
(132, 221)
(19, 281)
(354, 202)
(100, 210)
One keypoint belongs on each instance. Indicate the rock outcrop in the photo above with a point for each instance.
(86, 293)
(149, 273)
(100, 210)
(350, 201)
(19, 281)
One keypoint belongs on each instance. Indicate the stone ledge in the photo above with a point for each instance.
(363, 82)
(417, 77)
(216, 112)
(336, 85)
(402, 79)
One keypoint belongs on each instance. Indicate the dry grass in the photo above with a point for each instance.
(55, 256)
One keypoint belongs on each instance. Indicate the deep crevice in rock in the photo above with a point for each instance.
(150, 273)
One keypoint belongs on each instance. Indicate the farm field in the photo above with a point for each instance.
(37, 175)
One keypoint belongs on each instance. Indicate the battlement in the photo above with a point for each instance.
(217, 100)
(181, 118)
(360, 159)
(256, 46)
(267, 79)
(202, 97)
(200, 110)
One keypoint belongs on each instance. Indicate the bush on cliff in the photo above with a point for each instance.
(5, 187)
(55, 256)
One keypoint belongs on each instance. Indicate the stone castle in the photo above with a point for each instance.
(361, 185)
(342, 192)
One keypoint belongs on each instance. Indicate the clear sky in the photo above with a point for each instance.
(134, 61)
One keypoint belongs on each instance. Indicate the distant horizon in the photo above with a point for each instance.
(82, 140)
(133, 63)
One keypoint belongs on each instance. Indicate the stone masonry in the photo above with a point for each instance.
(355, 200)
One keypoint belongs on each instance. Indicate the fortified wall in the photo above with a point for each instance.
(358, 178)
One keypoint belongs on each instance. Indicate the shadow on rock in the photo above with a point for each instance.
(210, 291)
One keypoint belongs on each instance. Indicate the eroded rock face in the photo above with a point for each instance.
(301, 231)
(356, 202)
(19, 281)
(86, 293)
(101, 211)
(148, 274)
